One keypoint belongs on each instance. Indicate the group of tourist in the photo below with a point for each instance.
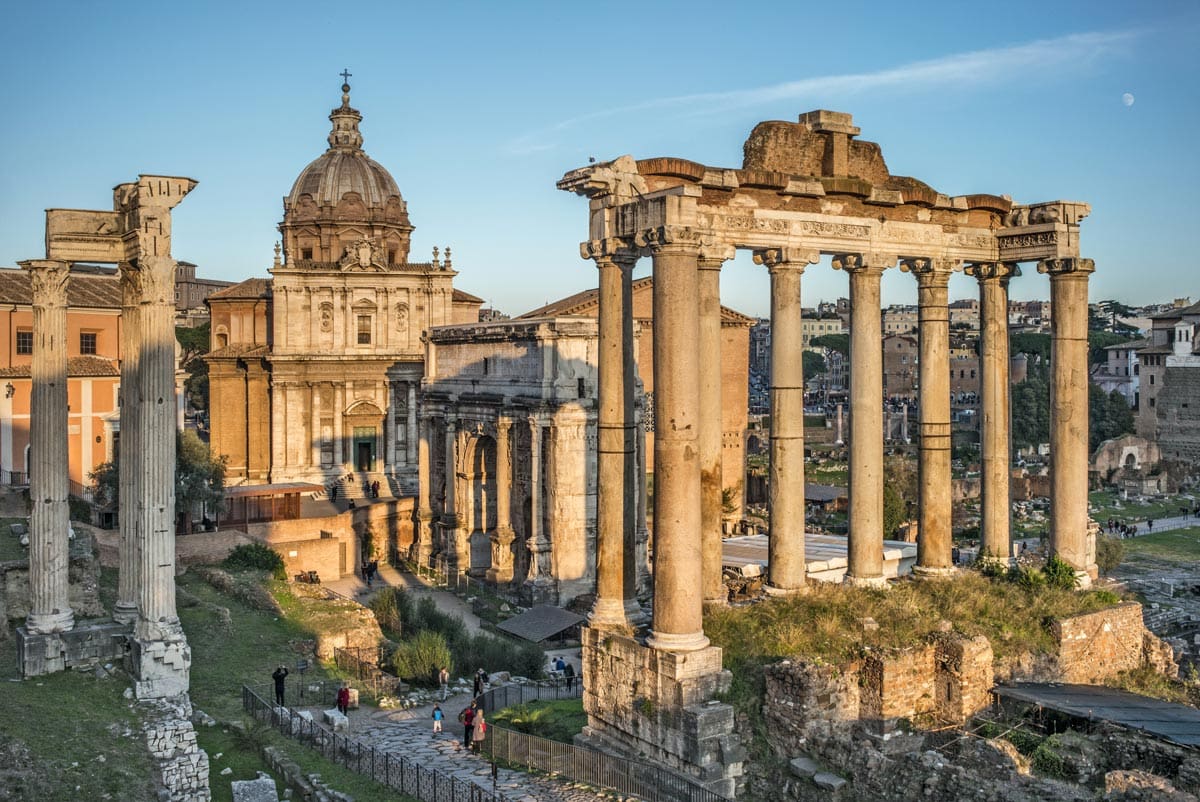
(474, 725)
(566, 671)
(1124, 530)
(370, 569)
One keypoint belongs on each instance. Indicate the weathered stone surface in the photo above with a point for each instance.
(804, 767)
(830, 782)
(258, 790)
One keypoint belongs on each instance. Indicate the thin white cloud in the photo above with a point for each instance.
(1021, 63)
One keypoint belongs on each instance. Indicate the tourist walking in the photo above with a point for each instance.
(569, 673)
(438, 715)
(443, 679)
(279, 676)
(1150, 525)
(481, 679)
(467, 717)
(343, 699)
(479, 731)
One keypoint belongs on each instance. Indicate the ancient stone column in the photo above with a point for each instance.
(450, 522)
(411, 440)
(49, 547)
(424, 532)
(840, 427)
(678, 595)
(502, 539)
(126, 608)
(314, 418)
(391, 451)
(785, 551)
(994, 430)
(1069, 413)
(712, 256)
(865, 558)
(615, 464)
(933, 455)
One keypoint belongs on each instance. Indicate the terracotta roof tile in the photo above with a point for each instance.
(584, 302)
(250, 288)
(76, 366)
(89, 290)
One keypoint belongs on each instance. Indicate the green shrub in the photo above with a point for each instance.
(1048, 762)
(1027, 577)
(393, 607)
(1059, 574)
(419, 658)
(80, 509)
(256, 557)
(1109, 553)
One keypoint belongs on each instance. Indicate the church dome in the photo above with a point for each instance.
(344, 167)
(341, 199)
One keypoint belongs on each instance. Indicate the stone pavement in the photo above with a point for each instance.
(409, 734)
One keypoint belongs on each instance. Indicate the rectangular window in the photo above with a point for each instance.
(364, 329)
(24, 342)
(306, 253)
(87, 342)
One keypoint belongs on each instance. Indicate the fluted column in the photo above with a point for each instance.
(411, 440)
(424, 531)
(156, 449)
(49, 547)
(994, 429)
(126, 608)
(786, 563)
(865, 546)
(933, 455)
(390, 451)
(712, 256)
(615, 461)
(678, 596)
(1069, 413)
(314, 417)
(450, 523)
(502, 539)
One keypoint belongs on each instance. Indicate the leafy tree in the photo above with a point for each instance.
(899, 492)
(1115, 310)
(195, 342)
(1109, 553)
(814, 364)
(1098, 341)
(1030, 410)
(1109, 416)
(834, 342)
(199, 477)
(1030, 343)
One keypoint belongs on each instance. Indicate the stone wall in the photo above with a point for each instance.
(1095, 646)
(181, 766)
(643, 702)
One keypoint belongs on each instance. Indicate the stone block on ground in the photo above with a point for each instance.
(335, 719)
(827, 781)
(259, 790)
(804, 767)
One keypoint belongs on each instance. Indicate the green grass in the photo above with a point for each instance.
(10, 544)
(1182, 545)
(1103, 506)
(75, 726)
(559, 720)
(836, 474)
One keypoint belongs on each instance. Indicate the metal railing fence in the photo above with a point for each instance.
(363, 665)
(395, 771)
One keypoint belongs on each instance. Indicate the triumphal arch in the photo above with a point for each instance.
(805, 189)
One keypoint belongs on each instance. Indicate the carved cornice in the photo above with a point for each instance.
(610, 250)
(48, 278)
(714, 253)
(986, 271)
(786, 258)
(1059, 267)
(680, 239)
(618, 179)
(1070, 213)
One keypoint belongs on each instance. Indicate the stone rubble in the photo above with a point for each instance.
(181, 766)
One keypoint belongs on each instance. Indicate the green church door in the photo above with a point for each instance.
(364, 448)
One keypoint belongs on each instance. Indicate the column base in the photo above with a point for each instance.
(125, 612)
(875, 582)
(49, 623)
(776, 592)
(927, 572)
(39, 654)
(677, 642)
(610, 615)
(1083, 580)
(160, 660)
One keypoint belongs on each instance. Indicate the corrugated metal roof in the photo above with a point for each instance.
(539, 623)
(1173, 722)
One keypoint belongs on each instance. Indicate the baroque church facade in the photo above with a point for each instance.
(314, 373)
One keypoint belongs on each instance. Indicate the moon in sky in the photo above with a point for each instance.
(1127, 98)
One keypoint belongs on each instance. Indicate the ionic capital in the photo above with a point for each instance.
(1058, 267)
(989, 271)
(714, 253)
(48, 278)
(610, 250)
(930, 272)
(676, 239)
(786, 258)
(870, 261)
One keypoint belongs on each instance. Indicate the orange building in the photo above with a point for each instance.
(93, 360)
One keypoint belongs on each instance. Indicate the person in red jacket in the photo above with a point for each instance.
(343, 700)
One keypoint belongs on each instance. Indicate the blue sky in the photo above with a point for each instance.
(477, 109)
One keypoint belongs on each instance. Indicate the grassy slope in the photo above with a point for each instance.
(559, 720)
(1180, 545)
